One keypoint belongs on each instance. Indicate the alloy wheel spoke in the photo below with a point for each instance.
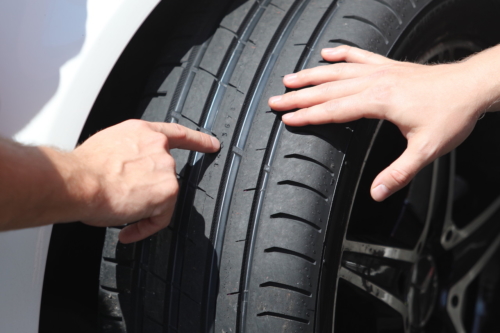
(456, 294)
(451, 234)
(377, 292)
(380, 251)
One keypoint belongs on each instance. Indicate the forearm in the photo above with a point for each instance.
(39, 186)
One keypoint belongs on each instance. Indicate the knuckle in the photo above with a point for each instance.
(164, 162)
(400, 177)
(159, 139)
(345, 48)
(291, 97)
(331, 105)
(180, 131)
(338, 69)
(170, 162)
(171, 192)
(328, 88)
(135, 123)
(381, 93)
(427, 150)
(304, 75)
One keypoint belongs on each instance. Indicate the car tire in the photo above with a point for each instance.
(259, 234)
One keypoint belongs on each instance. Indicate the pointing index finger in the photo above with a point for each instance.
(185, 138)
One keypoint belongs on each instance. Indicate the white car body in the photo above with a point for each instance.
(55, 56)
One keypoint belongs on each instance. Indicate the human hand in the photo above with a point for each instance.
(435, 107)
(134, 174)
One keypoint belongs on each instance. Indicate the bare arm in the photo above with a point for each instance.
(120, 175)
(435, 106)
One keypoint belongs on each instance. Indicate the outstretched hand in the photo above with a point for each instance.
(135, 173)
(434, 106)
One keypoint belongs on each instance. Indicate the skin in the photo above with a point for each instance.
(435, 106)
(120, 175)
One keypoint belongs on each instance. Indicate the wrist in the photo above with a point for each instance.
(76, 198)
(483, 71)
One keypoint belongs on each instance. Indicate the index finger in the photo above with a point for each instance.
(353, 55)
(185, 138)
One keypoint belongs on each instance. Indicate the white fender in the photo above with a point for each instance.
(55, 56)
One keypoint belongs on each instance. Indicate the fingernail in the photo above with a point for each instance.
(290, 78)
(274, 99)
(380, 193)
(287, 116)
(215, 142)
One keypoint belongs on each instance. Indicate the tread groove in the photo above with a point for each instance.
(370, 23)
(282, 316)
(296, 218)
(309, 159)
(392, 10)
(276, 249)
(307, 187)
(125, 263)
(345, 42)
(112, 290)
(287, 287)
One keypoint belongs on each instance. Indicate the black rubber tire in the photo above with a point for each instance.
(246, 248)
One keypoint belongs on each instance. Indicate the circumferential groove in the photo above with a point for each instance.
(392, 10)
(296, 218)
(282, 316)
(309, 159)
(370, 23)
(344, 42)
(286, 287)
(307, 187)
(290, 252)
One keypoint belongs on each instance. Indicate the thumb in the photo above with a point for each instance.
(399, 173)
(143, 229)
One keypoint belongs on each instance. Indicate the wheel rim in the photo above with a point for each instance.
(416, 274)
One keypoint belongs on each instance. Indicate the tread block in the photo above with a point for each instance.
(154, 297)
(193, 274)
(233, 20)
(189, 315)
(177, 51)
(309, 147)
(159, 253)
(113, 304)
(112, 326)
(115, 276)
(241, 79)
(113, 249)
(197, 96)
(217, 50)
(164, 80)
(150, 326)
(154, 108)
(181, 157)
(303, 172)
(201, 215)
